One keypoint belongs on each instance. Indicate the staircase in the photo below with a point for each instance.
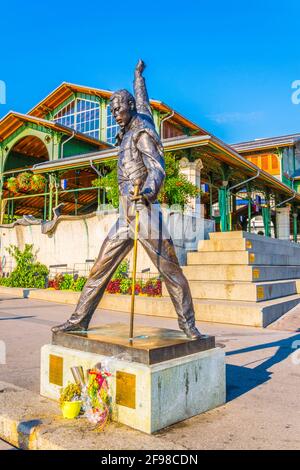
(244, 278)
(235, 277)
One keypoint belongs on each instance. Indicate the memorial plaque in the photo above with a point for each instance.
(256, 273)
(56, 370)
(125, 389)
(251, 257)
(260, 293)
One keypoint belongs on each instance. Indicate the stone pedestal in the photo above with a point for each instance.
(160, 379)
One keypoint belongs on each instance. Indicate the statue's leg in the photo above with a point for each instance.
(114, 248)
(160, 248)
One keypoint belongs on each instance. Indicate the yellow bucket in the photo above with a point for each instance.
(71, 409)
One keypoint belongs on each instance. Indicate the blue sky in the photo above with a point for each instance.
(228, 65)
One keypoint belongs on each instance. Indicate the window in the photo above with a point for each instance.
(112, 127)
(81, 115)
(268, 162)
(265, 162)
(253, 160)
(275, 164)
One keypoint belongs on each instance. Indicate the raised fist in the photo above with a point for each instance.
(140, 67)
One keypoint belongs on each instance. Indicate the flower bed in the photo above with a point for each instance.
(120, 285)
(151, 288)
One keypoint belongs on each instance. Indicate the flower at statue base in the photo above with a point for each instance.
(98, 401)
(97, 416)
(70, 401)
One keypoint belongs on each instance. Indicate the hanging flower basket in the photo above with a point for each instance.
(38, 183)
(70, 401)
(24, 181)
(12, 184)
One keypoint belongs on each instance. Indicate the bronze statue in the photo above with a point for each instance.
(140, 158)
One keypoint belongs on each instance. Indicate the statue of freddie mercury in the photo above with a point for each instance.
(140, 158)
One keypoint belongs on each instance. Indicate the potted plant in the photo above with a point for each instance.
(70, 401)
(24, 181)
(12, 184)
(38, 183)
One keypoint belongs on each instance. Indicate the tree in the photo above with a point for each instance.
(177, 188)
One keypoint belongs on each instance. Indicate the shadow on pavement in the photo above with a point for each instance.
(241, 379)
(17, 318)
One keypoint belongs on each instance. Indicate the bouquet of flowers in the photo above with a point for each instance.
(96, 398)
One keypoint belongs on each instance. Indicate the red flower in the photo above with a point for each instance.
(114, 286)
(100, 377)
(138, 289)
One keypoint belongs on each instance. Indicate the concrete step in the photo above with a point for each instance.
(240, 257)
(258, 314)
(215, 272)
(244, 291)
(288, 322)
(264, 246)
(234, 234)
(239, 234)
(221, 311)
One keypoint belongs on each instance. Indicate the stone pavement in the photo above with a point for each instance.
(263, 380)
(289, 322)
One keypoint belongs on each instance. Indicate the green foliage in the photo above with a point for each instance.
(67, 282)
(177, 188)
(28, 272)
(71, 392)
(109, 182)
(125, 285)
(78, 284)
(5, 281)
(122, 270)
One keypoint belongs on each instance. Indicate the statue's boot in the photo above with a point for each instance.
(68, 326)
(191, 332)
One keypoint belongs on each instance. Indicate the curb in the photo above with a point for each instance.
(20, 428)
(29, 421)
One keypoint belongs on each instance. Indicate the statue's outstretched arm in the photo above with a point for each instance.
(140, 91)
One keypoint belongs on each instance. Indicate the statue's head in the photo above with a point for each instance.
(123, 107)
